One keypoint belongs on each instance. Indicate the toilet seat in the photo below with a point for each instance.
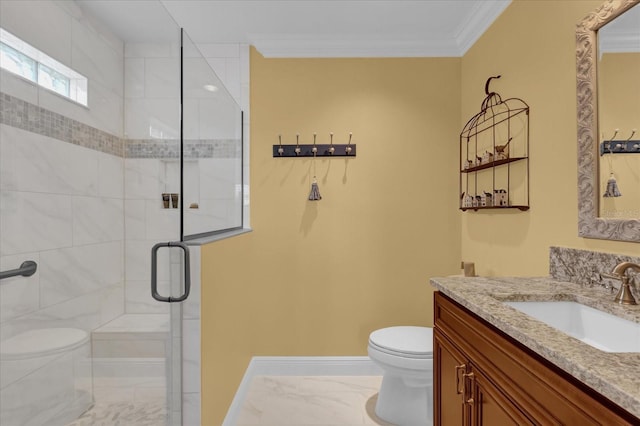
(42, 342)
(404, 341)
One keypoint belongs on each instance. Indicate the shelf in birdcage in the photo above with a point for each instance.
(492, 164)
(521, 208)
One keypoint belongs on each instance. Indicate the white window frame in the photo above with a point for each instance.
(77, 83)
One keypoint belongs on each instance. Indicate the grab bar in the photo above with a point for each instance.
(27, 269)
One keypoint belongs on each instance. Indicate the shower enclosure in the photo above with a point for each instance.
(88, 193)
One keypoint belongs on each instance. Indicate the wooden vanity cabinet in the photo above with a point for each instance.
(484, 377)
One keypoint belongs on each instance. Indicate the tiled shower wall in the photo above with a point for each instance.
(124, 110)
(61, 178)
(73, 179)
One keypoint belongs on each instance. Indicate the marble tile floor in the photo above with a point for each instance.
(311, 400)
(270, 401)
(126, 401)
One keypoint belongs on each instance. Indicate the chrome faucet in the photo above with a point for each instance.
(624, 296)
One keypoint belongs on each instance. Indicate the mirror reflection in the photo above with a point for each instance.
(619, 115)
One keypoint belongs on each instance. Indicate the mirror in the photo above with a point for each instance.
(590, 225)
(618, 68)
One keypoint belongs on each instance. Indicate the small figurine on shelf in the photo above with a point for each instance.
(502, 152)
(487, 158)
(468, 164)
(500, 198)
(478, 160)
(467, 200)
(476, 201)
(486, 199)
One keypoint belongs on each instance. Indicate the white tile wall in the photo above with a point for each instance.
(97, 220)
(110, 176)
(134, 78)
(42, 24)
(145, 118)
(19, 295)
(31, 221)
(162, 78)
(68, 207)
(18, 87)
(93, 57)
(62, 206)
(141, 177)
(36, 163)
(69, 273)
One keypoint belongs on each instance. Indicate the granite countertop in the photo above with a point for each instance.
(614, 375)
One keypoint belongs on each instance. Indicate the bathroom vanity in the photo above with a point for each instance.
(495, 365)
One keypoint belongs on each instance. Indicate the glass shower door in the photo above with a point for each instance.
(212, 146)
(152, 145)
(153, 172)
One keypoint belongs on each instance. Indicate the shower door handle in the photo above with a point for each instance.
(154, 272)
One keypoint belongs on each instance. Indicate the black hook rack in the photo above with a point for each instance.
(314, 150)
(620, 147)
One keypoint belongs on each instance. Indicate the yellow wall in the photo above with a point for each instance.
(315, 278)
(619, 102)
(532, 45)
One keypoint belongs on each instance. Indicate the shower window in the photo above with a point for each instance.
(19, 57)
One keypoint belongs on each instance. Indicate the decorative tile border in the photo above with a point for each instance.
(582, 266)
(168, 148)
(24, 115)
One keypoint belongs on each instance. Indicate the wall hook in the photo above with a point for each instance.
(347, 149)
(633, 132)
(331, 148)
(297, 150)
(280, 149)
(315, 148)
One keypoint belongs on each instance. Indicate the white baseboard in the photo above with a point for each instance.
(298, 366)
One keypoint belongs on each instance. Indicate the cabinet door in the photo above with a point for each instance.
(449, 368)
(489, 405)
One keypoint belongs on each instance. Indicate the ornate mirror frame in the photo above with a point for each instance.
(589, 224)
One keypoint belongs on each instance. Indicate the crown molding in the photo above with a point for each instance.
(321, 46)
(479, 21)
(482, 16)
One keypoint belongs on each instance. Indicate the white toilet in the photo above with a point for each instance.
(405, 354)
(46, 368)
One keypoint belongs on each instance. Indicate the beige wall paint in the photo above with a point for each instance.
(532, 45)
(315, 278)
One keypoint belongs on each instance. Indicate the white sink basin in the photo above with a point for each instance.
(599, 329)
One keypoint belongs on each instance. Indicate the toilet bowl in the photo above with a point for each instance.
(46, 368)
(405, 354)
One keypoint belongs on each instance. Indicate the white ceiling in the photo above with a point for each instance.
(308, 28)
